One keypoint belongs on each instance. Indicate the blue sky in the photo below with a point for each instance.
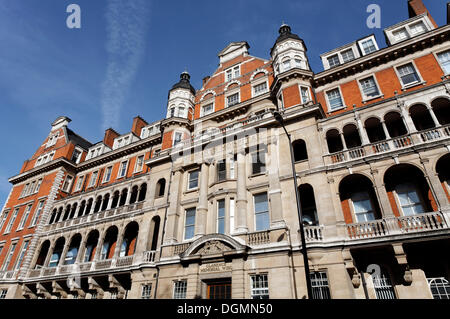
(127, 55)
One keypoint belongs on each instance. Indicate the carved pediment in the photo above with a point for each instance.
(214, 244)
(213, 247)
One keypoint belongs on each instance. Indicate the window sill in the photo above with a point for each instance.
(193, 190)
(258, 174)
(337, 109)
(372, 98)
(411, 85)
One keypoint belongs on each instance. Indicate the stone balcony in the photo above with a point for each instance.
(389, 145)
(147, 258)
(8, 275)
(392, 226)
(94, 217)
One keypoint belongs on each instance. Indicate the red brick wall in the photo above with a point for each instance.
(291, 96)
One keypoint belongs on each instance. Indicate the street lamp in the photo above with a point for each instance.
(280, 120)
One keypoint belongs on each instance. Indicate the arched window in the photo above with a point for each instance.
(408, 190)
(142, 192)
(308, 204)
(91, 245)
(334, 141)
(129, 240)
(115, 200)
(160, 187)
(298, 61)
(53, 217)
(105, 202)
(109, 243)
(123, 197)
(443, 171)
(286, 63)
(300, 152)
(89, 206)
(351, 136)
(82, 208)
(394, 124)
(421, 117)
(441, 108)
(42, 254)
(134, 194)
(154, 231)
(374, 130)
(72, 252)
(67, 212)
(57, 251)
(98, 203)
(383, 285)
(73, 211)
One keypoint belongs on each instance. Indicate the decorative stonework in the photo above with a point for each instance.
(213, 247)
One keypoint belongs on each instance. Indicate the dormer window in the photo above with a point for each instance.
(347, 55)
(400, 35)
(368, 46)
(417, 28)
(144, 132)
(333, 60)
(232, 73)
(76, 156)
(52, 140)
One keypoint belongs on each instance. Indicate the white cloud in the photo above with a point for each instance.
(127, 23)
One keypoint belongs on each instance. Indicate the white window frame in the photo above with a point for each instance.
(21, 254)
(93, 181)
(420, 81)
(139, 167)
(367, 98)
(175, 133)
(258, 83)
(419, 195)
(343, 106)
(12, 220)
(37, 213)
(233, 92)
(233, 72)
(179, 292)
(38, 185)
(80, 182)
(67, 183)
(4, 218)
(24, 218)
(258, 292)
(333, 56)
(107, 177)
(189, 188)
(355, 215)
(189, 225)
(223, 218)
(122, 168)
(440, 63)
(146, 291)
(202, 109)
(7, 260)
(300, 88)
(346, 50)
(260, 213)
(360, 42)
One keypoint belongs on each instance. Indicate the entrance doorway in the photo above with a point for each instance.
(219, 289)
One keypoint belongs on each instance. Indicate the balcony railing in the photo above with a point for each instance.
(95, 216)
(313, 233)
(397, 225)
(389, 145)
(8, 275)
(147, 257)
(258, 238)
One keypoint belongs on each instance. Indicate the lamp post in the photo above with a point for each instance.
(280, 120)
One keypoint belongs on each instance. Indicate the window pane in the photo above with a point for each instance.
(444, 59)
(334, 98)
(347, 55)
(333, 61)
(369, 87)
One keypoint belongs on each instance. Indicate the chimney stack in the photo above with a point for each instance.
(205, 79)
(138, 124)
(416, 7)
(110, 135)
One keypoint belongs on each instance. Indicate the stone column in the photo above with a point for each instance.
(362, 131)
(81, 248)
(380, 191)
(64, 252)
(386, 131)
(344, 144)
(110, 200)
(49, 254)
(127, 200)
(435, 184)
(119, 241)
(433, 116)
(241, 198)
(173, 214)
(276, 210)
(408, 120)
(202, 208)
(98, 249)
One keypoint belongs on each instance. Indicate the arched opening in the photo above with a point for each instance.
(394, 124)
(334, 141)
(115, 199)
(89, 206)
(142, 192)
(105, 202)
(129, 240)
(443, 171)
(72, 253)
(43, 252)
(374, 130)
(73, 211)
(358, 199)
(59, 215)
(383, 285)
(57, 251)
(82, 208)
(351, 136)
(53, 216)
(308, 204)
(441, 108)
(421, 117)
(160, 187)
(408, 190)
(300, 152)
(67, 212)
(154, 232)
(123, 197)
(109, 243)
(134, 194)
(91, 246)
(98, 204)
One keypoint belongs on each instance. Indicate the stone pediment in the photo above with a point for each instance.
(213, 245)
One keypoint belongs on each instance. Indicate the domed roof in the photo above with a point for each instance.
(285, 33)
(184, 83)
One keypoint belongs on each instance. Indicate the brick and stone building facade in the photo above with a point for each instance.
(202, 203)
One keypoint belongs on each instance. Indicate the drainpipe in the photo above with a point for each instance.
(163, 228)
(364, 285)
